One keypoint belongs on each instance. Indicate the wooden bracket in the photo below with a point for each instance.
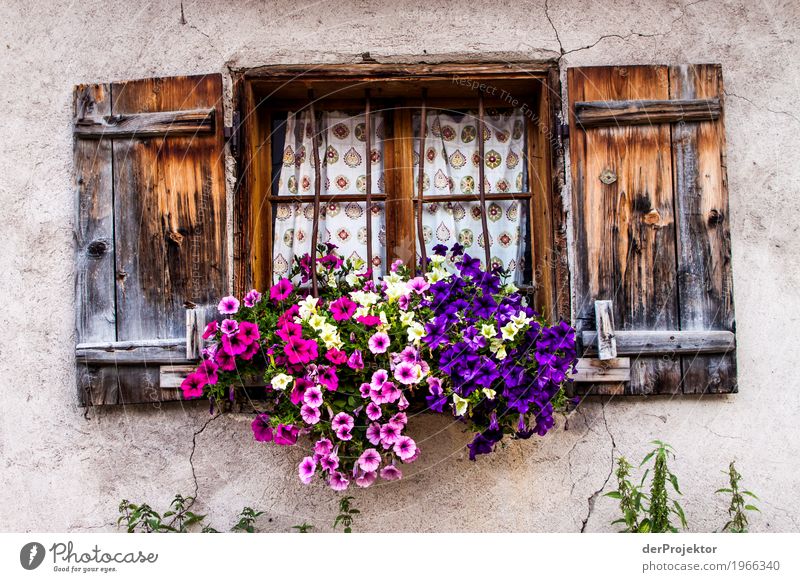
(195, 325)
(604, 320)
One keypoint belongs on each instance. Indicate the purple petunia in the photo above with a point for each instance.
(366, 479)
(262, 429)
(338, 481)
(369, 460)
(391, 473)
(211, 330)
(252, 298)
(229, 326)
(405, 447)
(313, 396)
(309, 414)
(373, 411)
(355, 360)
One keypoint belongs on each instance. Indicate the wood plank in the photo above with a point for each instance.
(705, 281)
(164, 351)
(634, 343)
(411, 71)
(604, 321)
(95, 317)
(645, 111)
(195, 326)
(145, 125)
(173, 376)
(170, 211)
(623, 205)
(122, 385)
(594, 370)
(400, 183)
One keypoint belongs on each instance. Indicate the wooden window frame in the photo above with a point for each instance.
(255, 90)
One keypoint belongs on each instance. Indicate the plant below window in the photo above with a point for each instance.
(177, 519)
(344, 367)
(738, 508)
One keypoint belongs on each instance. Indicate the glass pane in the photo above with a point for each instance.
(342, 153)
(451, 152)
(447, 223)
(341, 223)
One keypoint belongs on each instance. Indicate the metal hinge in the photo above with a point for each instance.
(233, 135)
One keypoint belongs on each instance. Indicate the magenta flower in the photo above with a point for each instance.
(400, 418)
(369, 460)
(366, 479)
(405, 447)
(406, 373)
(338, 482)
(342, 420)
(313, 396)
(251, 351)
(343, 433)
(402, 402)
(208, 369)
(289, 330)
(192, 385)
(391, 473)
(355, 361)
(379, 378)
(309, 414)
(233, 344)
(249, 332)
(379, 343)
(343, 309)
(329, 462)
(300, 351)
(336, 357)
(323, 447)
(396, 264)
(364, 389)
(403, 302)
(306, 469)
(211, 330)
(228, 305)
(390, 392)
(252, 298)
(374, 433)
(229, 326)
(281, 290)
(286, 434)
(226, 362)
(419, 285)
(262, 430)
(373, 411)
(390, 432)
(369, 320)
(328, 378)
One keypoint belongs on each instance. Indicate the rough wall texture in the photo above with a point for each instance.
(63, 470)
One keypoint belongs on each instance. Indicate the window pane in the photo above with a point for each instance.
(448, 223)
(451, 152)
(341, 223)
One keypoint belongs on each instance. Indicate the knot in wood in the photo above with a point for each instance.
(175, 237)
(96, 249)
(715, 218)
(653, 218)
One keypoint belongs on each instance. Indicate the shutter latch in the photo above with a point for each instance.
(233, 136)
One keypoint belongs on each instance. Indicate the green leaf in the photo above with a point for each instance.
(674, 480)
(751, 494)
(613, 495)
(724, 490)
(752, 508)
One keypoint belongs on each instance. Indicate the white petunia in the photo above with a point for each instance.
(281, 381)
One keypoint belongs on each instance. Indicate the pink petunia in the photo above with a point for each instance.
(396, 264)
(249, 332)
(281, 290)
(208, 370)
(229, 326)
(289, 330)
(300, 351)
(262, 429)
(355, 361)
(335, 356)
(391, 473)
(338, 482)
(306, 469)
(418, 285)
(288, 315)
(379, 377)
(343, 308)
(366, 479)
(251, 351)
(403, 302)
(374, 433)
(233, 344)
(400, 418)
(342, 420)
(329, 462)
(252, 298)
(309, 414)
(390, 432)
(407, 373)
(364, 389)
(369, 460)
(193, 384)
(405, 447)
(226, 362)
(211, 330)
(313, 397)
(379, 343)
(343, 433)
(286, 434)
(328, 378)
(323, 447)
(390, 392)
(402, 402)
(228, 305)
(369, 320)
(373, 411)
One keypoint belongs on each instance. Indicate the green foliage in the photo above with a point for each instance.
(177, 519)
(738, 508)
(630, 498)
(346, 514)
(303, 527)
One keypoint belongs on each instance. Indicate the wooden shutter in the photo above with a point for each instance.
(651, 220)
(150, 231)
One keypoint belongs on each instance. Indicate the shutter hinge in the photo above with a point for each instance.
(563, 131)
(233, 136)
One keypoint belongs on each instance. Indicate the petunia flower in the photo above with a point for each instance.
(402, 402)
(281, 290)
(233, 344)
(336, 356)
(366, 479)
(192, 385)
(329, 462)
(313, 397)
(208, 369)
(338, 481)
(407, 373)
(211, 330)
(343, 433)
(390, 433)
(369, 320)
(251, 351)
(306, 469)
(390, 392)
(418, 285)
(309, 414)
(249, 332)
(379, 343)
(364, 389)
(226, 362)
(405, 447)
(400, 418)
(300, 351)
(286, 434)
(373, 411)
(355, 361)
(391, 473)
(262, 430)
(374, 433)
(396, 264)
(228, 305)
(369, 460)
(328, 378)
(342, 420)
(380, 377)
(323, 447)
(252, 298)
(342, 309)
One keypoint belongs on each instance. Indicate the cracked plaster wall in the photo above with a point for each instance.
(64, 471)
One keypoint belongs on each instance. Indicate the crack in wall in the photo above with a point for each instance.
(592, 500)
(754, 104)
(191, 455)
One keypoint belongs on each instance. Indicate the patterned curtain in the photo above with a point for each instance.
(451, 167)
(343, 160)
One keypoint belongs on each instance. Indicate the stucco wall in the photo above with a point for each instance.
(66, 470)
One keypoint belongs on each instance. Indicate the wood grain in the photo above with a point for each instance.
(632, 343)
(143, 125)
(646, 112)
(163, 351)
(400, 230)
(605, 339)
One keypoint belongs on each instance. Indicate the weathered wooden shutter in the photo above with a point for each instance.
(651, 220)
(150, 231)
